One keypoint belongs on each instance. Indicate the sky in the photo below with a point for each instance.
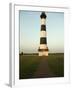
(29, 25)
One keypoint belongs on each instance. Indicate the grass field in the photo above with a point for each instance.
(28, 65)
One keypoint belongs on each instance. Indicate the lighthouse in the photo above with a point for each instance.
(43, 49)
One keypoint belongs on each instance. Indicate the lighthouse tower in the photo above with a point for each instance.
(43, 49)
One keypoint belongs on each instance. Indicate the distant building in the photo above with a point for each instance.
(43, 49)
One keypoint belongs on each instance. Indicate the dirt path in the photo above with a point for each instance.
(43, 70)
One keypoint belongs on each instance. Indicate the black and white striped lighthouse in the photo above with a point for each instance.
(43, 49)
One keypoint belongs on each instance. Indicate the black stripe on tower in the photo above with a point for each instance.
(43, 40)
(43, 27)
(43, 15)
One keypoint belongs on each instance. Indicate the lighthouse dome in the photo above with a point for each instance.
(43, 15)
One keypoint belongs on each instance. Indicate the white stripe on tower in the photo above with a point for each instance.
(43, 46)
(43, 34)
(43, 21)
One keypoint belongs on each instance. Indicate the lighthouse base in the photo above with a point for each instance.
(43, 53)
